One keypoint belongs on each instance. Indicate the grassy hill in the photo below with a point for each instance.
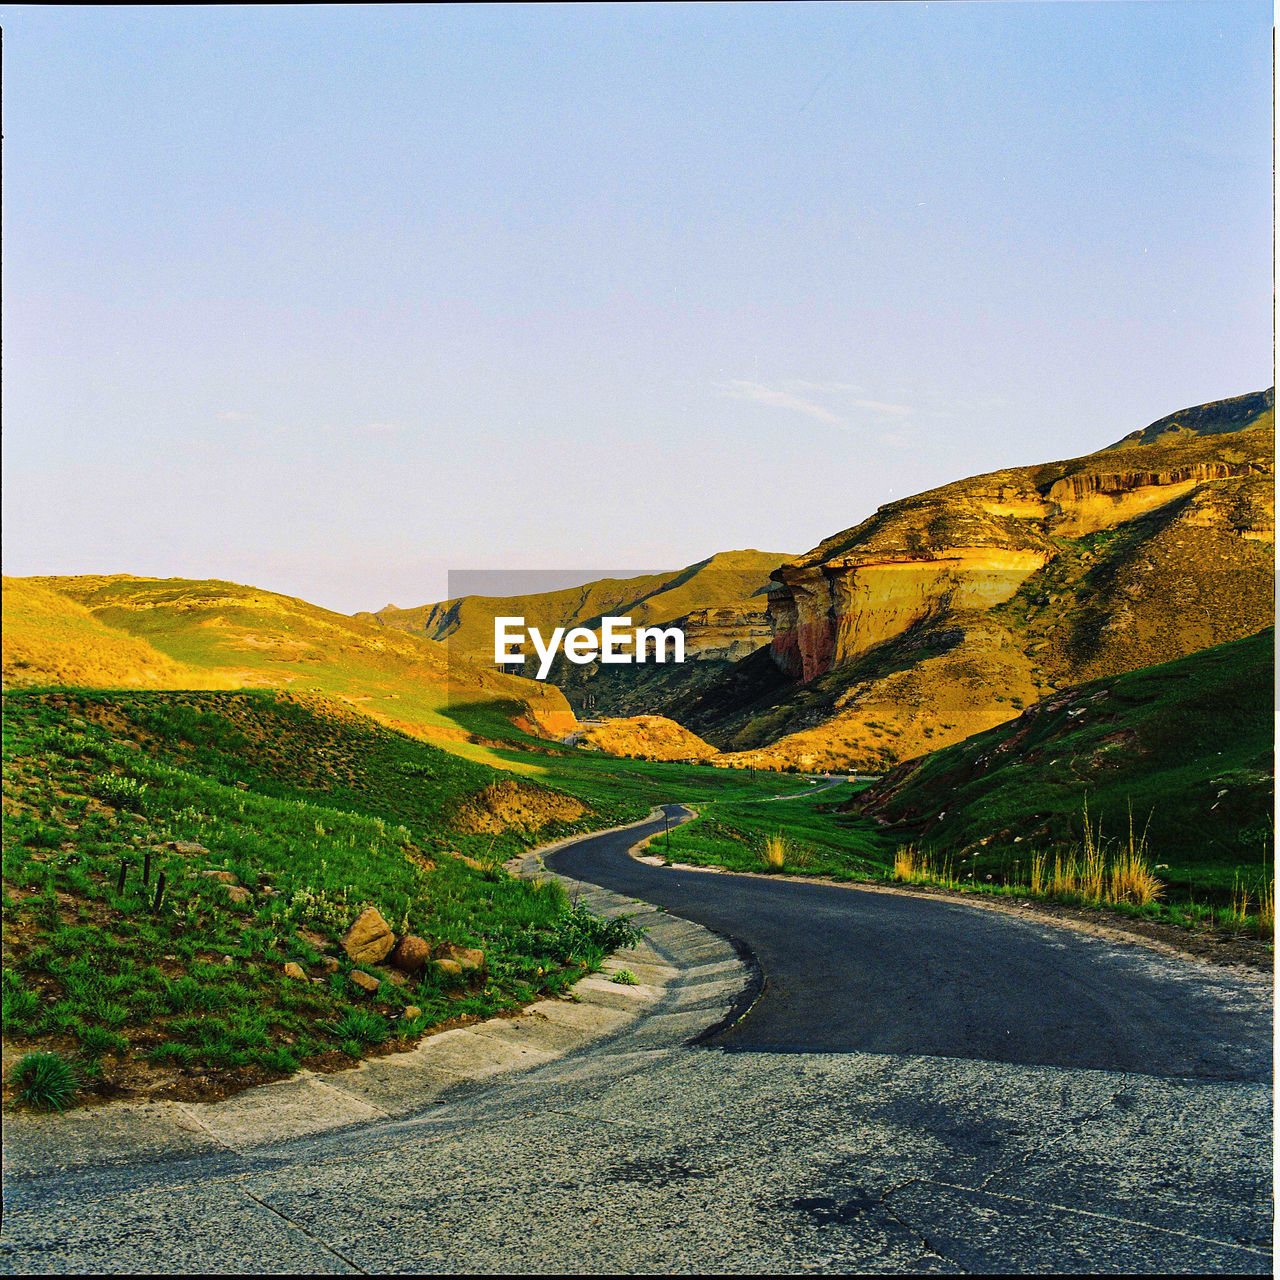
(728, 578)
(1186, 746)
(49, 638)
(202, 634)
(1257, 409)
(274, 819)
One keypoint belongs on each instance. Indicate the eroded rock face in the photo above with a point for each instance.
(727, 633)
(831, 613)
(970, 545)
(369, 939)
(1093, 500)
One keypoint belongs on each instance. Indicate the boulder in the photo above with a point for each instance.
(411, 953)
(294, 970)
(411, 1011)
(237, 893)
(365, 981)
(466, 957)
(369, 939)
(329, 964)
(447, 966)
(226, 877)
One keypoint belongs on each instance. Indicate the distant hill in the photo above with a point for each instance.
(123, 631)
(718, 602)
(1187, 745)
(49, 638)
(1257, 409)
(946, 613)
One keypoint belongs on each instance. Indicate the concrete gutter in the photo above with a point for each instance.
(690, 982)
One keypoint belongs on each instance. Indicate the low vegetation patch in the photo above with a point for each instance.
(180, 871)
(803, 835)
(1186, 746)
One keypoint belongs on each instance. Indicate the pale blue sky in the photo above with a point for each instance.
(332, 300)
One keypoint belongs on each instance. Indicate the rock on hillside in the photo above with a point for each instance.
(647, 737)
(944, 612)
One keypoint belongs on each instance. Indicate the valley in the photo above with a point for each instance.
(1008, 670)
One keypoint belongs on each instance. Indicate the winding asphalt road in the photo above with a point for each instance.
(855, 970)
(920, 1087)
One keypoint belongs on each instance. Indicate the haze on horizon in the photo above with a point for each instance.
(335, 300)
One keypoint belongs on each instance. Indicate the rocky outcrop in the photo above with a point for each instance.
(825, 616)
(724, 634)
(972, 544)
(944, 613)
(645, 737)
(1091, 500)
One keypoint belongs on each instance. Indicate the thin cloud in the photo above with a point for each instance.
(785, 397)
(365, 429)
(834, 388)
(759, 394)
(235, 415)
(880, 406)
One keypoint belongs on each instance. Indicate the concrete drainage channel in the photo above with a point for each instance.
(691, 983)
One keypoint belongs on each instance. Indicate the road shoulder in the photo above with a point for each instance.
(688, 983)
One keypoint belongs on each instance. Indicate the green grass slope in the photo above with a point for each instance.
(223, 634)
(274, 819)
(1187, 746)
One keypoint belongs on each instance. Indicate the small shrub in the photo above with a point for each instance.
(625, 978)
(119, 790)
(45, 1081)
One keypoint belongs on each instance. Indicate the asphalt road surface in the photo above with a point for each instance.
(920, 1087)
(852, 970)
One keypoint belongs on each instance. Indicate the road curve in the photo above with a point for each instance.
(852, 970)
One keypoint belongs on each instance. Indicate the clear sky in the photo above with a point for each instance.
(332, 300)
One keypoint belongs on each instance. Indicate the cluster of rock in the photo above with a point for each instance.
(371, 941)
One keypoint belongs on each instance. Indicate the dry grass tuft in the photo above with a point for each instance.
(777, 849)
(910, 865)
(1267, 909)
(1039, 875)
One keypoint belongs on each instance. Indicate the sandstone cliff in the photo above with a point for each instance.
(1140, 553)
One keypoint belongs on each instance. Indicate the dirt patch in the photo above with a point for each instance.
(515, 804)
